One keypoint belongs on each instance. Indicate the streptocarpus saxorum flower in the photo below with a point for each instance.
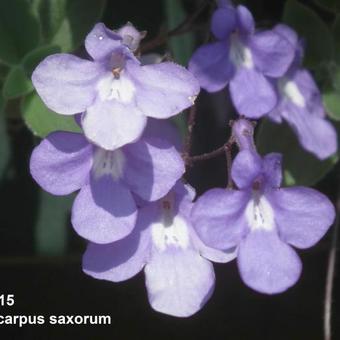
(105, 209)
(300, 104)
(244, 58)
(113, 90)
(263, 221)
(179, 278)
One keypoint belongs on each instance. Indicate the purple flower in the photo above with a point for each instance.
(105, 210)
(113, 90)
(263, 221)
(244, 58)
(300, 104)
(179, 278)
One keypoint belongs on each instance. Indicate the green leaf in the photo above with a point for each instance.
(182, 45)
(16, 83)
(19, 30)
(331, 101)
(299, 166)
(336, 37)
(67, 22)
(330, 5)
(51, 227)
(51, 14)
(43, 121)
(4, 143)
(319, 42)
(33, 58)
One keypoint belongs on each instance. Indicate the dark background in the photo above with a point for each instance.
(46, 285)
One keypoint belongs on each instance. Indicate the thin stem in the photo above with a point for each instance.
(184, 27)
(230, 184)
(208, 155)
(330, 276)
(191, 124)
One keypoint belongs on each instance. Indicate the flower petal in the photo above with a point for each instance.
(315, 134)
(153, 167)
(211, 65)
(223, 22)
(272, 53)
(272, 168)
(266, 264)
(218, 217)
(66, 83)
(179, 282)
(288, 33)
(101, 42)
(104, 211)
(302, 215)
(120, 260)
(163, 90)
(111, 124)
(165, 129)
(61, 163)
(245, 20)
(245, 168)
(251, 93)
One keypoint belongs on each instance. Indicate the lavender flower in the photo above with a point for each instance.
(244, 58)
(105, 209)
(300, 104)
(113, 90)
(179, 278)
(261, 219)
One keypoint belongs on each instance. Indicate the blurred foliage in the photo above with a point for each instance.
(299, 166)
(181, 46)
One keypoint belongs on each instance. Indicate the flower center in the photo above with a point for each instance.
(108, 163)
(240, 55)
(259, 213)
(116, 85)
(292, 92)
(170, 230)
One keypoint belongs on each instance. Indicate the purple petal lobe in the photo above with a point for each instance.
(179, 282)
(165, 129)
(315, 134)
(246, 167)
(153, 167)
(266, 264)
(288, 33)
(303, 215)
(66, 83)
(251, 93)
(218, 217)
(272, 168)
(210, 64)
(223, 22)
(245, 20)
(272, 53)
(111, 124)
(101, 42)
(61, 162)
(120, 260)
(163, 90)
(104, 211)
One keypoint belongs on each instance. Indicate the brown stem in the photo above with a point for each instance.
(183, 27)
(230, 184)
(188, 138)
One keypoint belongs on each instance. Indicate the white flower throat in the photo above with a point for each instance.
(291, 91)
(259, 213)
(118, 87)
(240, 55)
(108, 163)
(171, 229)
